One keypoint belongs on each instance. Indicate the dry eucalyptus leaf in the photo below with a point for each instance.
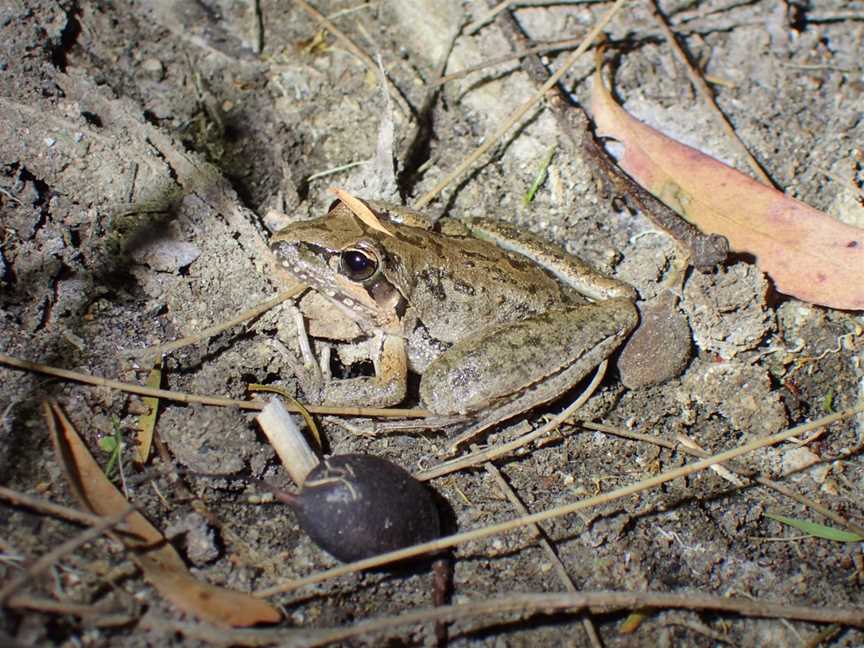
(807, 254)
(360, 210)
(160, 563)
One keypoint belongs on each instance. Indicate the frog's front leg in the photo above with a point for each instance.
(511, 368)
(388, 385)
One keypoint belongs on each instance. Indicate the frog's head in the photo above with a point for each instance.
(345, 261)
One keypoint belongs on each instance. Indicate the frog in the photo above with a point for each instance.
(493, 320)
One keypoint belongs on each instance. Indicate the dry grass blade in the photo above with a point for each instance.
(183, 397)
(352, 47)
(147, 422)
(96, 615)
(545, 544)
(46, 561)
(158, 560)
(496, 529)
(216, 329)
(49, 508)
(707, 96)
(555, 46)
(692, 448)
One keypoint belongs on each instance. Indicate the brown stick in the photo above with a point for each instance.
(524, 604)
(704, 251)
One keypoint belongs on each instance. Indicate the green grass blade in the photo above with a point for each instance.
(817, 530)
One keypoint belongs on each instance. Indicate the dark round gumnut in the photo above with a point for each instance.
(355, 506)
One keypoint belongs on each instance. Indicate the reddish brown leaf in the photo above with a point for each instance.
(160, 563)
(807, 254)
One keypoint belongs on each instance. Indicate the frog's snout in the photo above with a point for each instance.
(303, 261)
(289, 256)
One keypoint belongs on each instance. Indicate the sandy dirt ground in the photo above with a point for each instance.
(144, 150)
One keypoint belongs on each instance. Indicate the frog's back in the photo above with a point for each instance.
(458, 285)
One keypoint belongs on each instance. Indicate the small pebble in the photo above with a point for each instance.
(153, 68)
(660, 348)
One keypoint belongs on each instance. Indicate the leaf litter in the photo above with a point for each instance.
(160, 563)
(807, 253)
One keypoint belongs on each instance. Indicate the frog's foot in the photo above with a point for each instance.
(387, 387)
(309, 379)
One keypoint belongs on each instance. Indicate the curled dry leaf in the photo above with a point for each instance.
(160, 563)
(360, 210)
(807, 253)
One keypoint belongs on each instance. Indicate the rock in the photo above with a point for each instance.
(798, 459)
(199, 538)
(153, 69)
(167, 255)
(660, 348)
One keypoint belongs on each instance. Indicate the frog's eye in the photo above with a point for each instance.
(358, 265)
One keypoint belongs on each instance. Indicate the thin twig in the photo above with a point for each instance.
(157, 352)
(487, 17)
(555, 46)
(559, 511)
(626, 434)
(50, 508)
(183, 397)
(545, 544)
(43, 563)
(536, 530)
(357, 51)
(705, 91)
(488, 612)
(514, 117)
(699, 628)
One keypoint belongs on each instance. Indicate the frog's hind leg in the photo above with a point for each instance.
(535, 361)
(532, 398)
